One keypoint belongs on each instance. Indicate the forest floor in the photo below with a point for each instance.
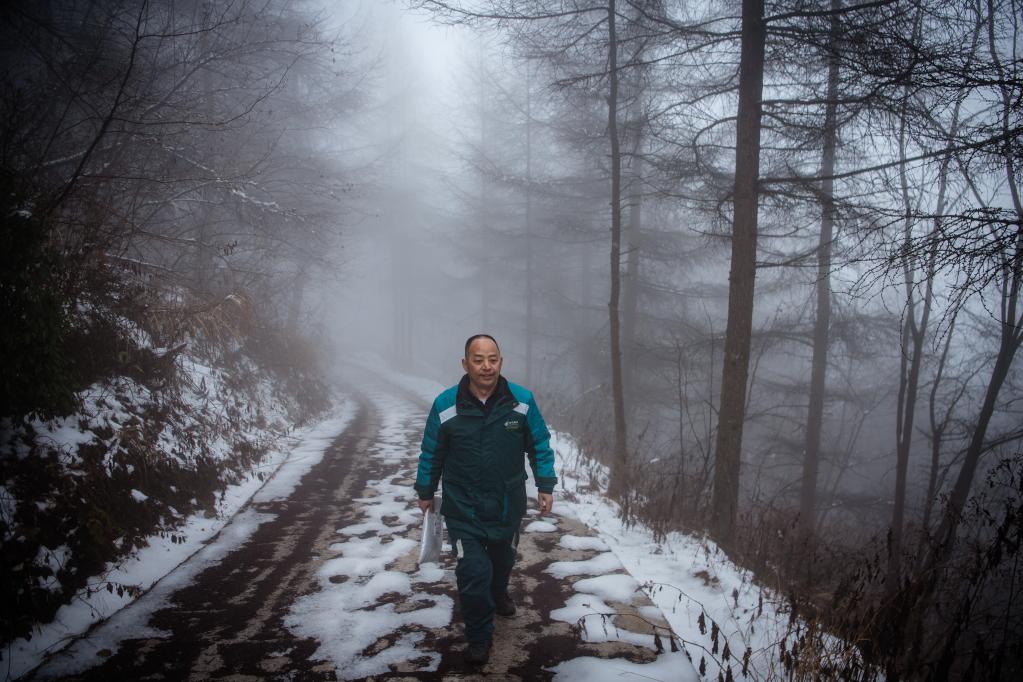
(322, 584)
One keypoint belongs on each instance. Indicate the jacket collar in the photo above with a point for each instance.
(467, 403)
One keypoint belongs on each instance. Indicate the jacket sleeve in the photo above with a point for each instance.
(541, 456)
(431, 457)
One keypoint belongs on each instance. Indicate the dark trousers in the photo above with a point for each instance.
(483, 570)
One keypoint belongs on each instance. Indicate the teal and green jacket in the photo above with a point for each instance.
(481, 457)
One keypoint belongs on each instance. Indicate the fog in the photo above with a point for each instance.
(481, 204)
(425, 269)
(400, 267)
(768, 274)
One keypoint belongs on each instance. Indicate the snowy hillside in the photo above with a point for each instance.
(97, 506)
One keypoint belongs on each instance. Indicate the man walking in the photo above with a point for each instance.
(477, 437)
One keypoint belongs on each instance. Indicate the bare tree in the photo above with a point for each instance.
(1007, 271)
(728, 448)
(822, 319)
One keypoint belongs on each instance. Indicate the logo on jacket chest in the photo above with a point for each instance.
(512, 425)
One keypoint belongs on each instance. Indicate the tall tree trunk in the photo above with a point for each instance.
(631, 89)
(822, 323)
(632, 274)
(933, 247)
(938, 427)
(913, 335)
(204, 257)
(725, 500)
(1009, 345)
(1010, 328)
(529, 229)
(619, 483)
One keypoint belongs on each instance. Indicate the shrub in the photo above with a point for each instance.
(37, 377)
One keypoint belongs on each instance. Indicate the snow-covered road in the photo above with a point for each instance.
(220, 612)
(320, 582)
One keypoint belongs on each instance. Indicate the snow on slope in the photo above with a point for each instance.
(685, 576)
(147, 567)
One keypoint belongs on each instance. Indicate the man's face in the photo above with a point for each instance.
(483, 364)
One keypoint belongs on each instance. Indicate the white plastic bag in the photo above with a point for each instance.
(433, 537)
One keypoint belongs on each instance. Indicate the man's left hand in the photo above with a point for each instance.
(546, 501)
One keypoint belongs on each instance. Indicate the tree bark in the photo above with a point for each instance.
(725, 499)
(1010, 339)
(1010, 332)
(619, 483)
(822, 322)
(529, 229)
(937, 435)
(912, 350)
(1010, 328)
(630, 311)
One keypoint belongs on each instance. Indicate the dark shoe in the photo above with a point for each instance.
(478, 652)
(504, 606)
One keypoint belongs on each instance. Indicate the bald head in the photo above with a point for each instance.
(476, 337)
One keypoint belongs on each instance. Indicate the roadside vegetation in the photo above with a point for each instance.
(162, 212)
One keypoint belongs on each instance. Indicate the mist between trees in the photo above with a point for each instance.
(764, 259)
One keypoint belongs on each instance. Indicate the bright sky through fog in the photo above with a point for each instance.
(435, 49)
(428, 52)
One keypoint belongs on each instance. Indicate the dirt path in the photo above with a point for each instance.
(230, 623)
(528, 644)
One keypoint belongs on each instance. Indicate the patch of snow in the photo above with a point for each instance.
(364, 558)
(138, 495)
(650, 612)
(669, 667)
(598, 565)
(362, 528)
(383, 583)
(619, 587)
(580, 606)
(349, 616)
(540, 527)
(577, 542)
(595, 619)
(683, 575)
(54, 559)
(429, 573)
(83, 653)
(333, 616)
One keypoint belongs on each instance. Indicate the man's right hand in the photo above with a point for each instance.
(424, 505)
